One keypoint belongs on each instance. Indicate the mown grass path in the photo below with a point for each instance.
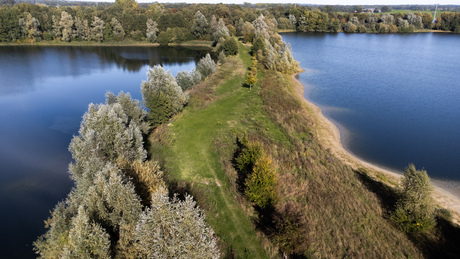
(195, 160)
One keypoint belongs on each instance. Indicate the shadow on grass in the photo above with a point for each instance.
(386, 195)
(442, 242)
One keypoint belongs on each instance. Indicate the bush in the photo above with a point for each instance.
(415, 209)
(164, 38)
(187, 80)
(206, 66)
(255, 173)
(261, 184)
(222, 58)
(229, 46)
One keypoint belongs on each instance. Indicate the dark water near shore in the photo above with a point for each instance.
(44, 92)
(395, 98)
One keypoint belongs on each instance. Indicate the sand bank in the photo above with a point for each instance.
(329, 136)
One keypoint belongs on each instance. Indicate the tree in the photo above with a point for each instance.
(386, 9)
(213, 25)
(415, 209)
(221, 31)
(349, 27)
(126, 4)
(239, 27)
(87, 239)
(206, 66)
(97, 30)
(259, 44)
(427, 20)
(66, 24)
(200, 25)
(174, 229)
(292, 20)
(248, 32)
(358, 9)
(56, 28)
(81, 29)
(187, 80)
(261, 184)
(251, 79)
(118, 32)
(107, 132)
(162, 95)
(152, 30)
(30, 27)
(230, 46)
(387, 18)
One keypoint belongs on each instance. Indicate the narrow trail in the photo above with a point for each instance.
(193, 135)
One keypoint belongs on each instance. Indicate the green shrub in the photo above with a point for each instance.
(230, 46)
(415, 210)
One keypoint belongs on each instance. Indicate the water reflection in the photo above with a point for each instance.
(44, 92)
(35, 63)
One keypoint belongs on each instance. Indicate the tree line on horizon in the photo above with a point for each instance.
(126, 19)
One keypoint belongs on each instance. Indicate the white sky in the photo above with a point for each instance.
(319, 2)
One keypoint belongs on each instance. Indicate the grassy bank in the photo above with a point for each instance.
(325, 208)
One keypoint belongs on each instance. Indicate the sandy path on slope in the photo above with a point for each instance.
(329, 136)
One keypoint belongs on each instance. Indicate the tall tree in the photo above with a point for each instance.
(117, 28)
(221, 31)
(66, 25)
(81, 29)
(152, 30)
(206, 66)
(200, 25)
(162, 95)
(97, 30)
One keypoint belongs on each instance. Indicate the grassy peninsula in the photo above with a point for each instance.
(242, 141)
(324, 208)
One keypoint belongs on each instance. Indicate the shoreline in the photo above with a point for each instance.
(96, 44)
(328, 135)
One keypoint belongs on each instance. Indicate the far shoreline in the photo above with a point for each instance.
(204, 44)
(329, 136)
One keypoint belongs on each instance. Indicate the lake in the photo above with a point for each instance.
(394, 97)
(44, 92)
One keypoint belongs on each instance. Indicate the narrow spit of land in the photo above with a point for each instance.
(343, 210)
(191, 155)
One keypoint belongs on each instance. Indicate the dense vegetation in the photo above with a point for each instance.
(239, 140)
(181, 22)
(119, 206)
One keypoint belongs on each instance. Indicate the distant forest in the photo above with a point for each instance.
(33, 21)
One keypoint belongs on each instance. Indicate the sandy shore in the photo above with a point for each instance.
(329, 136)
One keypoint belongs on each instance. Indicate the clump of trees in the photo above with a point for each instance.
(415, 211)
(119, 206)
(256, 176)
(269, 48)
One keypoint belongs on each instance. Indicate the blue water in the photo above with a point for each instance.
(44, 92)
(395, 98)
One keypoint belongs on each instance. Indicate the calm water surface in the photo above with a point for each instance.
(395, 98)
(44, 92)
